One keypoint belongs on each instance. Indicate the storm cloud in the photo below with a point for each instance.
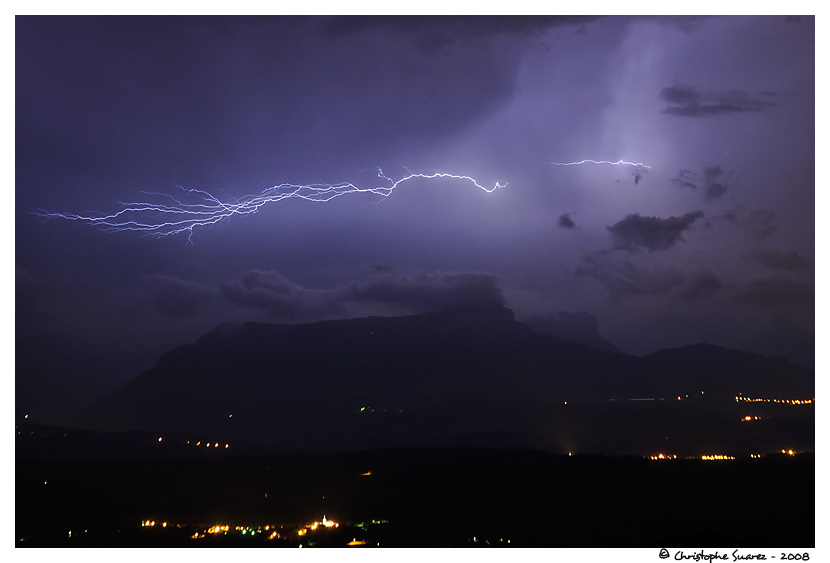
(625, 278)
(273, 292)
(713, 183)
(651, 233)
(424, 291)
(686, 179)
(435, 34)
(780, 259)
(177, 297)
(775, 290)
(686, 101)
(565, 221)
(714, 186)
(704, 284)
(759, 223)
(412, 292)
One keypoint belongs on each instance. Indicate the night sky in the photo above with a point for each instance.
(713, 217)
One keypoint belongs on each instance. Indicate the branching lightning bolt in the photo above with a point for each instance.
(175, 217)
(618, 163)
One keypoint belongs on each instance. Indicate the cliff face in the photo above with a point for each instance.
(580, 327)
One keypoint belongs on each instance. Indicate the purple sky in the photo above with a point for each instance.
(721, 110)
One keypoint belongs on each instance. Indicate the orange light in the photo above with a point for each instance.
(356, 542)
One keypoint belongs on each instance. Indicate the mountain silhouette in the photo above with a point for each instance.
(578, 327)
(777, 337)
(465, 377)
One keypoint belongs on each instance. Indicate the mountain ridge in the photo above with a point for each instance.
(468, 376)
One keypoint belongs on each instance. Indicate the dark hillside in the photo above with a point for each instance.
(472, 377)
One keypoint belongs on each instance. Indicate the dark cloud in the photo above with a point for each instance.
(385, 290)
(436, 34)
(780, 259)
(776, 290)
(757, 222)
(652, 233)
(624, 279)
(685, 179)
(422, 291)
(702, 285)
(381, 268)
(710, 173)
(637, 172)
(714, 187)
(714, 182)
(680, 95)
(685, 101)
(272, 292)
(687, 24)
(565, 221)
(177, 297)
(715, 190)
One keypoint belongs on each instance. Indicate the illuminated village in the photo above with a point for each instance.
(319, 533)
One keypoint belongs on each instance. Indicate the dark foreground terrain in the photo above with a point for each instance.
(418, 498)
